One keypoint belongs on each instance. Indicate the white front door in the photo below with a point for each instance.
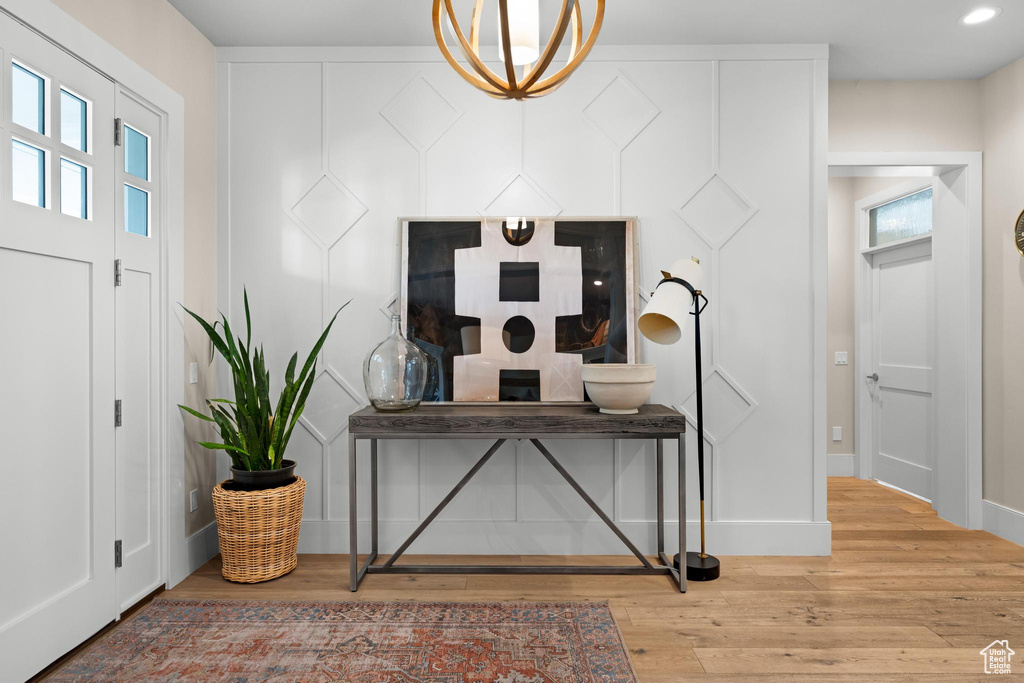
(138, 351)
(901, 368)
(56, 352)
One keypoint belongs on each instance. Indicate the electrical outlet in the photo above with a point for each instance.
(193, 373)
(837, 433)
(193, 500)
(842, 357)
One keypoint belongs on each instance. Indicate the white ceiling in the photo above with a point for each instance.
(870, 39)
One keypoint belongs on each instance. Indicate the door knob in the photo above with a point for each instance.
(873, 377)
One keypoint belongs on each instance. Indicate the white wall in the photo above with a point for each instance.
(378, 134)
(904, 116)
(840, 323)
(1002, 102)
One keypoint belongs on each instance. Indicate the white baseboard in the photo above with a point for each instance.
(841, 465)
(1003, 521)
(201, 547)
(572, 538)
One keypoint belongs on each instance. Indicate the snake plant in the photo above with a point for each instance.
(254, 434)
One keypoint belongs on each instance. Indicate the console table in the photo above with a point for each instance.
(503, 422)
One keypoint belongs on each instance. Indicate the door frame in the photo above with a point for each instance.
(960, 466)
(75, 38)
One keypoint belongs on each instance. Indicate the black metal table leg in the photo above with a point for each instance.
(373, 497)
(682, 510)
(660, 467)
(353, 518)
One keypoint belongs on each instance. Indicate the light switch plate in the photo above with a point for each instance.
(193, 373)
(842, 357)
(193, 500)
(837, 433)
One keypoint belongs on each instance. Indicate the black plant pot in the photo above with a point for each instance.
(259, 480)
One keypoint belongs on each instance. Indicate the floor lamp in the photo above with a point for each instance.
(677, 297)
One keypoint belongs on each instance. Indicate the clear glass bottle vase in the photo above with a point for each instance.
(395, 372)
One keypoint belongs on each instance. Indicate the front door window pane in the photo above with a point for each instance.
(73, 115)
(136, 153)
(28, 99)
(907, 217)
(136, 210)
(28, 173)
(74, 189)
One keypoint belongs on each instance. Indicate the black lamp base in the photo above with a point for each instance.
(700, 568)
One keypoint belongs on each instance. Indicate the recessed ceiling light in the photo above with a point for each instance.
(598, 283)
(980, 15)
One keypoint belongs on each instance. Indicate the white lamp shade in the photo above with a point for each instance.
(665, 317)
(523, 31)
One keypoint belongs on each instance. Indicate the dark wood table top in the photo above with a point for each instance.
(516, 420)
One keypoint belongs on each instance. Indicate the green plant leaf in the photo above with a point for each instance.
(289, 374)
(229, 337)
(229, 431)
(284, 404)
(218, 343)
(221, 447)
(248, 318)
(295, 420)
(190, 411)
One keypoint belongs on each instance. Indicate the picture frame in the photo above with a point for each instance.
(509, 309)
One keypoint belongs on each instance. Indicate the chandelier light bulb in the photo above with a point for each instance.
(523, 31)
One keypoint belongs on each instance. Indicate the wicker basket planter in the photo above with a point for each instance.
(258, 530)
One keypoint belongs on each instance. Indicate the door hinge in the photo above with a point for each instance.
(118, 130)
(117, 413)
(117, 554)
(117, 272)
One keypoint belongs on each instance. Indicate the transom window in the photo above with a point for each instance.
(74, 189)
(137, 186)
(28, 98)
(136, 153)
(28, 173)
(50, 156)
(74, 121)
(906, 217)
(136, 210)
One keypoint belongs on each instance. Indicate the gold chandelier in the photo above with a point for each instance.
(518, 46)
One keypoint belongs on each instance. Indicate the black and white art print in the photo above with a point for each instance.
(511, 309)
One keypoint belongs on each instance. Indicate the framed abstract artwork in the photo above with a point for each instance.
(511, 309)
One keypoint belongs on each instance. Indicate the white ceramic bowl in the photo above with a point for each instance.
(619, 388)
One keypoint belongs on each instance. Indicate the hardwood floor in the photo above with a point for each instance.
(905, 596)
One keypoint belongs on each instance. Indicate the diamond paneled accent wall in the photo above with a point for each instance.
(329, 210)
(620, 112)
(719, 152)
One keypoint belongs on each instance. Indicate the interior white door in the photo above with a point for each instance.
(57, 359)
(901, 369)
(138, 351)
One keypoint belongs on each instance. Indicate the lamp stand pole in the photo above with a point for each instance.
(699, 566)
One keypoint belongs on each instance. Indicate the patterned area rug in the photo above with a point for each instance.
(359, 642)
